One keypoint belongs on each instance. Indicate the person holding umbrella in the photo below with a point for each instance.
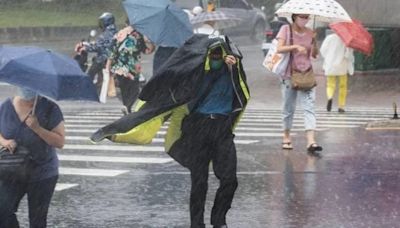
(36, 123)
(299, 41)
(302, 46)
(338, 63)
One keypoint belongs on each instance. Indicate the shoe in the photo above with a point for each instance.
(341, 110)
(314, 154)
(124, 111)
(287, 146)
(314, 147)
(221, 226)
(98, 136)
(329, 105)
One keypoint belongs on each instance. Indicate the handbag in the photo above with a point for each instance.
(14, 165)
(301, 80)
(275, 62)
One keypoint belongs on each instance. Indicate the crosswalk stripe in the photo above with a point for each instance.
(64, 186)
(129, 148)
(91, 172)
(267, 134)
(114, 159)
(157, 140)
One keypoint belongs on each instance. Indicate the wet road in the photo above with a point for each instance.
(355, 184)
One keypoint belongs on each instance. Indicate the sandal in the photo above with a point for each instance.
(313, 148)
(287, 146)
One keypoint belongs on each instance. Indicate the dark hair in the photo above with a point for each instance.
(294, 17)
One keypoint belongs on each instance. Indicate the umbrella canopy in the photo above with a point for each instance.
(322, 10)
(222, 19)
(45, 72)
(163, 22)
(354, 35)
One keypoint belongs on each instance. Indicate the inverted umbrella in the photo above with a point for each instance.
(45, 72)
(221, 19)
(163, 22)
(322, 10)
(354, 35)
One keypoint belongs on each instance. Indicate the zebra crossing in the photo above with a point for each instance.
(255, 126)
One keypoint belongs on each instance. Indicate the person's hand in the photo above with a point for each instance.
(10, 144)
(300, 49)
(230, 60)
(32, 122)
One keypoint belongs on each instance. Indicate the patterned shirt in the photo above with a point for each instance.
(125, 54)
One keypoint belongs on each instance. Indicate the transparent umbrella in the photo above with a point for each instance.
(222, 20)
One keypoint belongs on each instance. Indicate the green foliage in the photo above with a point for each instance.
(26, 13)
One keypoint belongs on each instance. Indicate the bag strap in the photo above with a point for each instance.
(291, 58)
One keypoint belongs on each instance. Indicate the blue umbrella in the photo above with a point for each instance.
(163, 22)
(48, 73)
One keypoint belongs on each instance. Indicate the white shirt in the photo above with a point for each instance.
(338, 59)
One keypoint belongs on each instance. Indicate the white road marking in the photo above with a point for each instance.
(64, 186)
(157, 140)
(129, 148)
(114, 159)
(91, 172)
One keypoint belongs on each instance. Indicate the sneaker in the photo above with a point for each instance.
(329, 105)
(97, 136)
(341, 110)
(124, 111)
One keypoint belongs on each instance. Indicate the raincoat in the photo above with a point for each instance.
(338, 59)
(168, 93)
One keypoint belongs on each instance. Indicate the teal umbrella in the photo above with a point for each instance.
(162, 21)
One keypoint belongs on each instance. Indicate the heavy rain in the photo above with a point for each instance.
(199, 113)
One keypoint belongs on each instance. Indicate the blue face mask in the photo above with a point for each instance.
(26, 94)
(216, 64)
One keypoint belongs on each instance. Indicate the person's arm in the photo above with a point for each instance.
(150, 47)
(55, 137)
(10, 144)
(283, 47)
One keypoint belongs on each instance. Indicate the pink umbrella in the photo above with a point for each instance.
(354, 35)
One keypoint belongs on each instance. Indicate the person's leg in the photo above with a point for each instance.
(225, 166)
(289, 97)
(11, 193)
(191, 150)
(39, 197)
(307, 100)
(342, 91)
(132, 93)
(198, 193)
(330, 90)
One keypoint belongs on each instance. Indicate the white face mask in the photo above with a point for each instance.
(301, 22)
(26, 94)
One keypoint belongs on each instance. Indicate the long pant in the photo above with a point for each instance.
(331, 87)
(203, 140)
(307, 101)
(129, 91)
(39, 197)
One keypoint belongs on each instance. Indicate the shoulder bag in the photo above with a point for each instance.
(301, 80)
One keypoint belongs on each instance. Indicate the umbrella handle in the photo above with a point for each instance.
(34, 104)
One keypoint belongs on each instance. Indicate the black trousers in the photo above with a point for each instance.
(39, 197)
(208, 139)
(129, 91)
